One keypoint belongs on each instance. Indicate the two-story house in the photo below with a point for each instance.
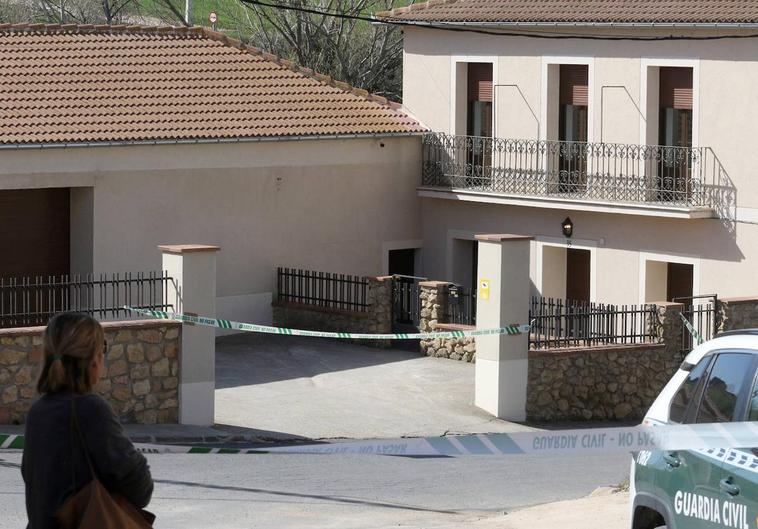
(621, 135)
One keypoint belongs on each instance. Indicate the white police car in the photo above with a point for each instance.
(715, 488)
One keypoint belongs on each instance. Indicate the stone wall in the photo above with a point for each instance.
(434, 317)
(602, 383)
(452, 348)
(140, 379)
(738, 313)
(377, 319)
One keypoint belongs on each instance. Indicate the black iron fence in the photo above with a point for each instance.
(678, 176)
(566, 323)
(701, 312)
(406, 301)
(461, 305)
(324, 289)
(29, 301)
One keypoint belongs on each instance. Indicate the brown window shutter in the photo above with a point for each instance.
(676, 88)
(479, 81)
(574, 84)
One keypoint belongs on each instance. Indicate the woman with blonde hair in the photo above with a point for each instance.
(55, 464)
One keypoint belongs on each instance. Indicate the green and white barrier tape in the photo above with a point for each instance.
(707, 437)
(252, 327)
(695, 335)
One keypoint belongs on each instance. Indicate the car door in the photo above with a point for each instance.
(691, 479)
(739, 476)
(663, 470)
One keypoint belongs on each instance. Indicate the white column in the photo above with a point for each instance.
(502, 299)
(193, 269)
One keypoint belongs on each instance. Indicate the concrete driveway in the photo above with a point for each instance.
(295, 387)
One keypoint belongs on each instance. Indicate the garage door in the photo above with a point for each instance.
(34, 232)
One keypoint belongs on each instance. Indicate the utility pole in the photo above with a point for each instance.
(188, 12)
(63, 12)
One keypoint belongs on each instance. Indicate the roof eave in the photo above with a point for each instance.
(196, 141)
(587, 24)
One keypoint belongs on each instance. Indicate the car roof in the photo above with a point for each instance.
(743, 339)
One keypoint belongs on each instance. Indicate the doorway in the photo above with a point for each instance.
(572, 127)
(665, 280)
(675, 132)
(578, 275)
(402, 262)
(566, 273)
(678, 281)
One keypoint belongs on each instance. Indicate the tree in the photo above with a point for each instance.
(70, 11)
(363, 54)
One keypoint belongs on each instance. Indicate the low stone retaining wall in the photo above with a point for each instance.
(377, 319)
(140, 379)
(599, 383)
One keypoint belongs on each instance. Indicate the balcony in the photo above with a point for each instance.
(652, 180)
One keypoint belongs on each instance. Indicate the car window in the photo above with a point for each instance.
(753, 406)
(723, 387)
(687, 390)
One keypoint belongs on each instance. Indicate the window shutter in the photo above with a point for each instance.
(676, 88)
(574, 84)
(479, 81)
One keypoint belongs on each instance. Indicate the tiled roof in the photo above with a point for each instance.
(581, 11)
(76, 84)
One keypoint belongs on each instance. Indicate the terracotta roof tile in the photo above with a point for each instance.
(579, 11)
(115, 83)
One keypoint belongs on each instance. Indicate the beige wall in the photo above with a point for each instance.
(317, 204)
(621, 245)
(727, 72)
(553, 272)
(623, 108)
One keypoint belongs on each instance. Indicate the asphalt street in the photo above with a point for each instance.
(341, 492)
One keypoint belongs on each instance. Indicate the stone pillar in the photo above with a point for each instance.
(380, 309)
(433, 299)
(501, 359)
(193, 269)
(670, 327)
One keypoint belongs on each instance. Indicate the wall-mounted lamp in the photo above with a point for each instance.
(568, 227)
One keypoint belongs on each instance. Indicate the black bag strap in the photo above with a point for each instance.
(82, 443)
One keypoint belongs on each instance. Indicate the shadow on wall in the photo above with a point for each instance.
(247, 359)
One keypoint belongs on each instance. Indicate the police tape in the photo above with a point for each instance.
(695, 335)
(252, 327)
(562, 442)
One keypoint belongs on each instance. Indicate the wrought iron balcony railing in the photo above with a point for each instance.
(602, 172)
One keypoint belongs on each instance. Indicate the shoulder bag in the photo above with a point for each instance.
(93, 507)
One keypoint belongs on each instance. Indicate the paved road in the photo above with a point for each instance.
(346, 492)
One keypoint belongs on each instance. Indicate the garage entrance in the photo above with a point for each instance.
(34, 232)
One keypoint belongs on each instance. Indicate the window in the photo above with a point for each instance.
(685, 394)
(753, 405)
(723, 388)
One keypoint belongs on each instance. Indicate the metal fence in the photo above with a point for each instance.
(324, 289)
(406, 301)
(702, 314)
(678, 176)
(461, 305)
(28, 301)
(566, 323)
